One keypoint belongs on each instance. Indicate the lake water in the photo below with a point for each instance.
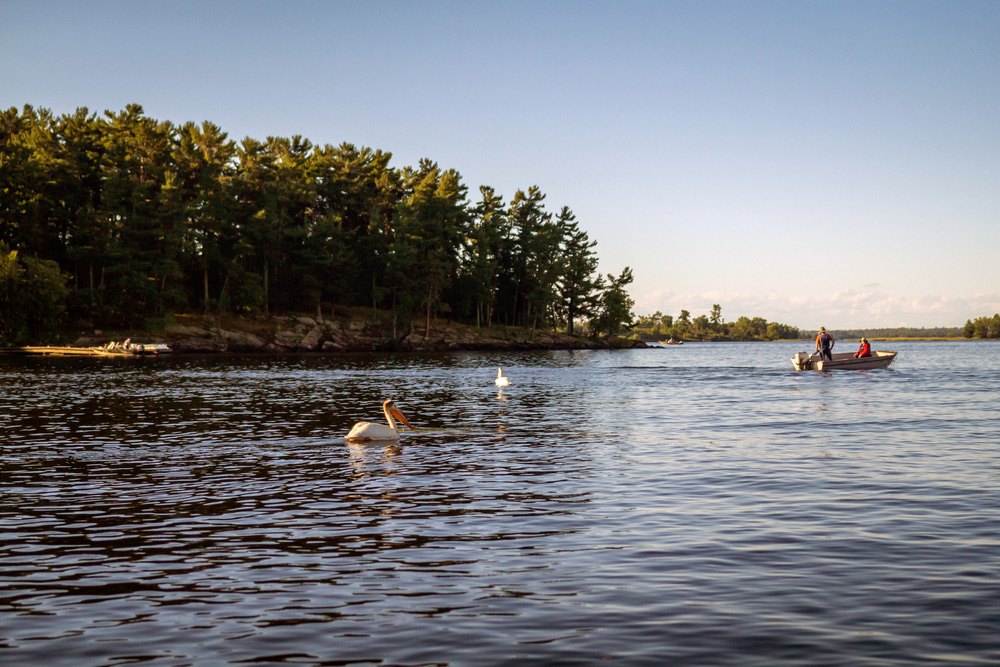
(702, 504)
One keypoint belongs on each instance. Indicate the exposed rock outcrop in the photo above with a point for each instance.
(283, 334)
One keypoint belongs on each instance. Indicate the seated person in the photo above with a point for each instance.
(865, 350)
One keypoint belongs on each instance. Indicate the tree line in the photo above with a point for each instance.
(895, 332)
(710, 327)
(982, 327)
(120, 219)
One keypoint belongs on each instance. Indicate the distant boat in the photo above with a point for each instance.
(843, 361)
(671, 342)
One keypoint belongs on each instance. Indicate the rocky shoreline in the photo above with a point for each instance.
(286, 334)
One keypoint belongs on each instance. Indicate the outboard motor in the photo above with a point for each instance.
(801, 359)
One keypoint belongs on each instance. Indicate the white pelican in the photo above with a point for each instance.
(370, 431)
(501, 381)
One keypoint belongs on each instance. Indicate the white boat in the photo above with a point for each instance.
(843, 361)
(671, 342)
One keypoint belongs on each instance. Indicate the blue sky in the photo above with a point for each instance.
(833, 163)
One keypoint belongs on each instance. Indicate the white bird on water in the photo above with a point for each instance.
(501, 381)
(370, 431)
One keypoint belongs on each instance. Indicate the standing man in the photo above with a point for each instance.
(824, 344)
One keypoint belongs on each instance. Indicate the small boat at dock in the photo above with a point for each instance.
(110, 350)
(843, 361)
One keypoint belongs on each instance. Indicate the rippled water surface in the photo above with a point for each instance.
(702, 504)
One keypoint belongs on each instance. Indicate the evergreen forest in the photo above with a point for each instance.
(118, 220)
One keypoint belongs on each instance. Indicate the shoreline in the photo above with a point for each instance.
(291, 334)
(194, 334)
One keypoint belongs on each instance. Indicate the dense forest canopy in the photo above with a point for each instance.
(120, 219)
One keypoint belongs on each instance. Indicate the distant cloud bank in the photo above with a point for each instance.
(846, 309)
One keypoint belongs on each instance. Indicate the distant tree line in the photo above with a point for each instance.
(895, 332)
(982, 327)
(118, 220)
(710, 327)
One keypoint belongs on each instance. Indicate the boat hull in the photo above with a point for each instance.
(845, 361)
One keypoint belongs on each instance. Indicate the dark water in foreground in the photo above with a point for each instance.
(702, 504)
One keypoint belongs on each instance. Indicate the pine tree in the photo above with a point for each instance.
(579, 283)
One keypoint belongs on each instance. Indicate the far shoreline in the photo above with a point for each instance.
(810, 340)
(353, 333)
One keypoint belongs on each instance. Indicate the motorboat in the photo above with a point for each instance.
(843, 361)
